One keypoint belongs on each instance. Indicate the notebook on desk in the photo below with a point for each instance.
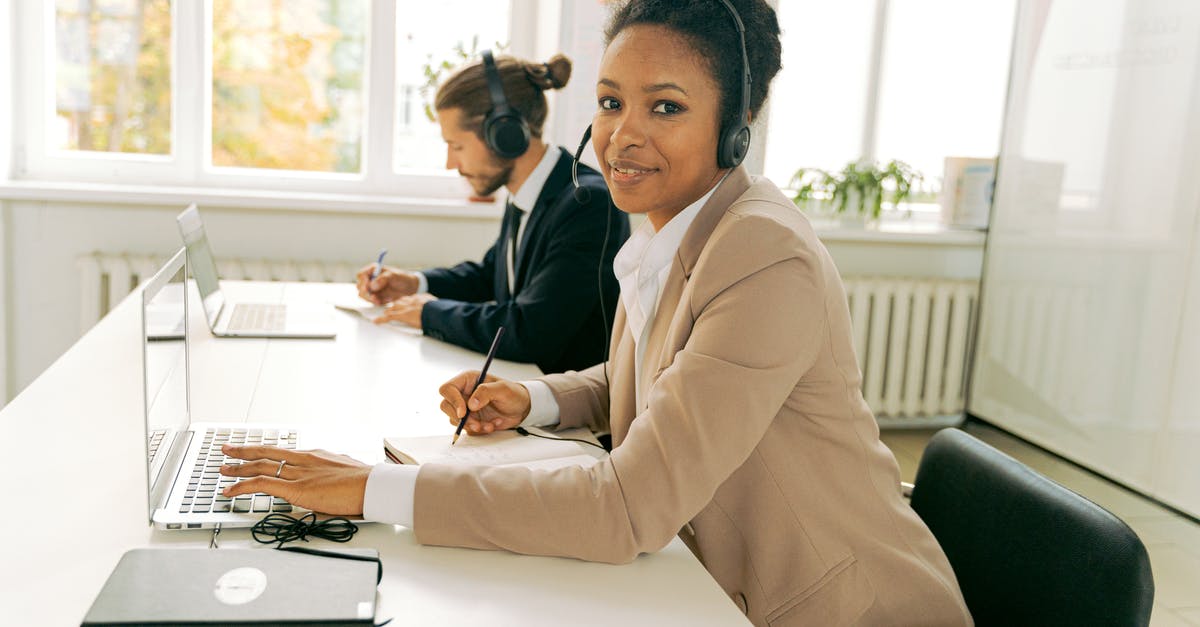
(370, 312)
(503, 448)
(184, 457)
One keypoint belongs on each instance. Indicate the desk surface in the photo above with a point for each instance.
(68, 524)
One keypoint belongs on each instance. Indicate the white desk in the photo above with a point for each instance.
(68, 524)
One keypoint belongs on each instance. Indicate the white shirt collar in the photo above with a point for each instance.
(642, 267)
(527, 196)
(648, 252)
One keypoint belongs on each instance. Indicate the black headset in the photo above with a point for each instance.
(504, 131)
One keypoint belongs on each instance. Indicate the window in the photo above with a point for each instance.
(303, 95)
(938, 91)
(112, 90)
(944, 79)
(289, 84)
(422, 44)
(817, 100)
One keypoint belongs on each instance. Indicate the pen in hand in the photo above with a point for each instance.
(373, 297)
(482, 375)
(378, 265)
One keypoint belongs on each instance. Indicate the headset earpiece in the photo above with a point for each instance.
(734, 141)
(504, 132)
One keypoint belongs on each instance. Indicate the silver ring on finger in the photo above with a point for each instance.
(280, 469)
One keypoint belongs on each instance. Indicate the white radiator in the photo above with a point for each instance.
(106, 278)
(912, 337)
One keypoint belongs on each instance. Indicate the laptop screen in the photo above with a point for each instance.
(164, 367)
(200, 259)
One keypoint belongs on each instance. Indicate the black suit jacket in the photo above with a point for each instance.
(555, 318)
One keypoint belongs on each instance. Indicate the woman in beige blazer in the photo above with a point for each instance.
(732, 391)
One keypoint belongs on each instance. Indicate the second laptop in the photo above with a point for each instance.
(246, 319)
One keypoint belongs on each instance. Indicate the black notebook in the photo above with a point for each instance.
(237, 587)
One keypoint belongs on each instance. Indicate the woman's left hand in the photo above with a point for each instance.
(318, 480)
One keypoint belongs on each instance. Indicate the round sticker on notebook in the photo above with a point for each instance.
(240, 586)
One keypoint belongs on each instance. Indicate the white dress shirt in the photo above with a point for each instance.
(641, 267)
(525, 199)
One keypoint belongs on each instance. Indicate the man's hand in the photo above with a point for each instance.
(390, 285)
(316, 480)
(495, 405)
(406, 310)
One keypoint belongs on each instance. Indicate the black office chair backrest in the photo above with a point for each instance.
(1026, 550)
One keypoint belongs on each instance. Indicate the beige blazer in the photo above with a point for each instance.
(753, 442)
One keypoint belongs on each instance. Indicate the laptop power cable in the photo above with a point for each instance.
(524, 431)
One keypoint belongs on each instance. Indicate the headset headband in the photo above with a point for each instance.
(495, 86)
(741, 29)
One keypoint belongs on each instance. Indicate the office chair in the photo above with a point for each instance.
(1026, 550)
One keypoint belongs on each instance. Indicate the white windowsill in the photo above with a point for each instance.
(245, 198)
(916, 230)
(898, 231)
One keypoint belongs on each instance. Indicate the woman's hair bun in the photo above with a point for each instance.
(552, 74)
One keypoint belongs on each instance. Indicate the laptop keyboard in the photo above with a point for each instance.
(154, 441)
(258, 317)
(204, 489)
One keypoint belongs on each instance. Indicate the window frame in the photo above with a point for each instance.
(35, 110)
(189, 162)
(7, 96)
(872, 95)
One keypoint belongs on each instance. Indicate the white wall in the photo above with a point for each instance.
(46, 238)
(7, 52)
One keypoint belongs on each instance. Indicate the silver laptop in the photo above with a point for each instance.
(184, 457)
(233, 319)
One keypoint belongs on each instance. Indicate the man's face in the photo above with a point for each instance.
(468, 154)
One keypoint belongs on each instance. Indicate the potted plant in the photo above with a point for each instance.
(855, 194)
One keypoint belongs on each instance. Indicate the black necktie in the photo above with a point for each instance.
(514, 226)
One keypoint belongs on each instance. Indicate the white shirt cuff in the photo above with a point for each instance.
(422, 283)
(389, 494)
(543, 408)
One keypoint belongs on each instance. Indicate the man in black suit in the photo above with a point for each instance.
(539, 280)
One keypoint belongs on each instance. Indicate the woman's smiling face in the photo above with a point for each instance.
(657, 121)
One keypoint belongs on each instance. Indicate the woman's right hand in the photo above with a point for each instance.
(496, 405)
(390, 285)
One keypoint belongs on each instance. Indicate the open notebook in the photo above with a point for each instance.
(504, 448)
(371, 312)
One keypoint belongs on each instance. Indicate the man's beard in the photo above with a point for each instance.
(488, 186)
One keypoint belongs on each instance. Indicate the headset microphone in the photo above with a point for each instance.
(582, 194)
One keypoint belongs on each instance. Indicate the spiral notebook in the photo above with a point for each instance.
(503, 448)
